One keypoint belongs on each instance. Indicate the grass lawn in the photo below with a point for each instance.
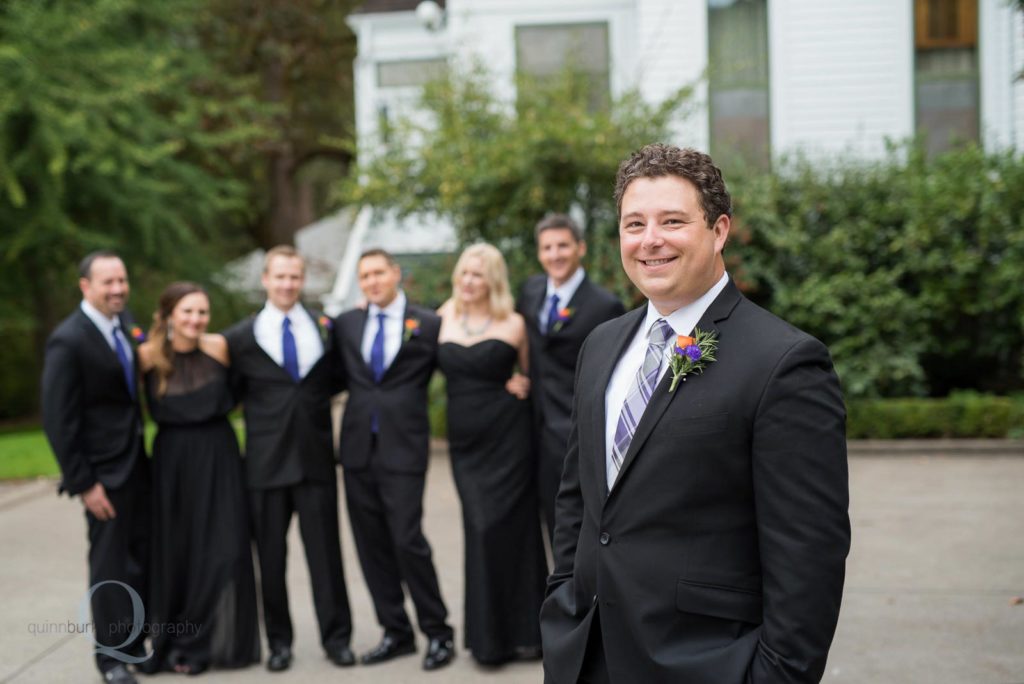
(26, 453)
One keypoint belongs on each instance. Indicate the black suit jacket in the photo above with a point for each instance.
(288, 435)
(553, 356)
(400, 399)
(719, 554)
(93, 424)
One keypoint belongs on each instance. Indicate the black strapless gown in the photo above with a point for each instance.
(203, 603)
(494, 469)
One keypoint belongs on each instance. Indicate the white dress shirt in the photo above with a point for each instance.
(106, 327)
(269, 328)
(394, 328)
(565, 293)
(683, 321)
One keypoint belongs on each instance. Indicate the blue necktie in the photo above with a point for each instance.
(552, 314)
(126, 362)
(377, 366)
(377, 350)
(289, 351)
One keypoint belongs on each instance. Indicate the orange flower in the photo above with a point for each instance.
(684, 341)
(411, 324)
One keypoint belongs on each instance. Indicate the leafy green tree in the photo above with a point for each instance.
(296, 57)
(494, 168)
(115, 131)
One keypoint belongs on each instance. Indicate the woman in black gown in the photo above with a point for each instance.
(202, 607)
(481, 341)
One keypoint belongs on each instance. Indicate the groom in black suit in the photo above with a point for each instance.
(702, 525)
(284, 369)
(92, 419)
(560, 307)
(388, 352)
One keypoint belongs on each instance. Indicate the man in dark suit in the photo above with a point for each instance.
(92, 419)
(284, 367)
(388, 352)
(702, 526)
(561, 308)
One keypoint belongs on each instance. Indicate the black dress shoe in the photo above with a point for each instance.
(280, 659)
(341, 656)
(149, 666)
(440, 652)
(388, 648)
(119, 674)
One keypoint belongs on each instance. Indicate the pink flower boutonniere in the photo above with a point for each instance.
(412, 329)
(691, 355)
(138, 334)
(325, 324)
(563, 316)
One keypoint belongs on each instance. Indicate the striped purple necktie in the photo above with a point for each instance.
(636, 401)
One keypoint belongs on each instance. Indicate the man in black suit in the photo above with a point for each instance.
(283, 365)
(92, 419)
(388, 352)
(561, 308)
(702, 526)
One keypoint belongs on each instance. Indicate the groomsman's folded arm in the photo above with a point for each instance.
(62, 416)
(801, 495)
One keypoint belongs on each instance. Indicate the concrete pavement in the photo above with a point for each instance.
(937, 558)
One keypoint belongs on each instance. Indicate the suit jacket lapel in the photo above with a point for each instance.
(401, 342)
(354, 335)
(97, 337)
(624, 335)
(534, 302)
(720, 309)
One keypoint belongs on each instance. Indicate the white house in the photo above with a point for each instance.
(818, 77)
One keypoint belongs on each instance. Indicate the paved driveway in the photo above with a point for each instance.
(938, 555)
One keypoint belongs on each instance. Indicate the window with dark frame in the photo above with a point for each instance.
(946, 82)
(738, 82)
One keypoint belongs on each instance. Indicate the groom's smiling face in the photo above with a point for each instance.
(668, 250)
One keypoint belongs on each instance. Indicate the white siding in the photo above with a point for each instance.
(671, 48)
(841, 75)
(1018, 86)
(995, 46)
(485, 31)
(387, 37)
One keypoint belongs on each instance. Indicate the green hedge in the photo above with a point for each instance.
(961, 415)
(909, 268)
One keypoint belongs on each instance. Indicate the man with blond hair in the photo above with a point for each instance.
(284, 370)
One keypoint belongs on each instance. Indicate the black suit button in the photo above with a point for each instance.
(604, 538)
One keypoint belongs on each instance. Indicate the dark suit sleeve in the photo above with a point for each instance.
(236, 378)
(801, 496)
(569, 502)
(62, 415)
(339, 374)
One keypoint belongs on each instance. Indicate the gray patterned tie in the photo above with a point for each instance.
(643, 388)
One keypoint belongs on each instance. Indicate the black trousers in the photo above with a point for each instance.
(317, 506)
(549, 475)
(119, 552)
(595, 667)
(386, 512)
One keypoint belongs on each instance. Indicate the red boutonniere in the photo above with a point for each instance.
(138, 334)
(412, 329)
(562, 317)
(325, 324)
(691, 355)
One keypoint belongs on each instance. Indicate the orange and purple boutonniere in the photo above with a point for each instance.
(137, 334)
(562, 317)
(411, 330)
(325, 324)
(691, 355)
